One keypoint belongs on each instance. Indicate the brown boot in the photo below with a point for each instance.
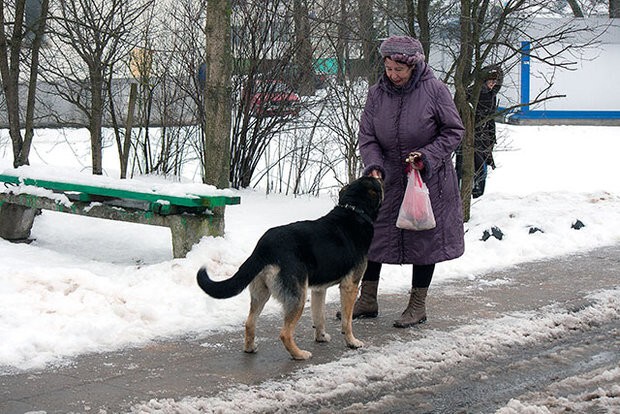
(416, 309)
(366, 305)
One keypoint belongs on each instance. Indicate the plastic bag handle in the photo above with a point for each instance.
(417, 178)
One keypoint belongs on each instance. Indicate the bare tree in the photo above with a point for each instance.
(490, 35)
(181, 77)
(304, 60)
(90, 38)
(461, 76)
(141, 88)
(614, 9)
(418, 25)
(342, 40)
(263, 48)
(21, 47)
(340, 121)
(368, 38)
(575, 7)
(216, 157)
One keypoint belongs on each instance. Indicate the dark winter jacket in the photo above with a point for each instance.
(420, 116)
(485, 135)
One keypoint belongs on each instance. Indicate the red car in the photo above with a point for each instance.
(274, 98)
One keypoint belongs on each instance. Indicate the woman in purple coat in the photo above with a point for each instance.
(410, 115)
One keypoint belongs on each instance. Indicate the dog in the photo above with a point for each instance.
(317, 254)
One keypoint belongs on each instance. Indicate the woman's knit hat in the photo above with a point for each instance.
(402, 49)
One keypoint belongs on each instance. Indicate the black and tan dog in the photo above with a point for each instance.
(289, 259)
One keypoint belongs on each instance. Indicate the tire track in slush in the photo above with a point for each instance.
(487, 385)
(475, 368)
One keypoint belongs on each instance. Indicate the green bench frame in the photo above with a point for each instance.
(189, 218)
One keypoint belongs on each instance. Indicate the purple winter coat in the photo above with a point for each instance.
(420, 116)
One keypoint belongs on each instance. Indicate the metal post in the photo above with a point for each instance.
(525, 76)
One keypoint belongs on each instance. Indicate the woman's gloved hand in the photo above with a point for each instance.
(415, 159)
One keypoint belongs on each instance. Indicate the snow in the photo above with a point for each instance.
(381, 368)
(89, 285)
(148, 184)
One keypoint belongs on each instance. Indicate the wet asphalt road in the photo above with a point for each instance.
(113, 382)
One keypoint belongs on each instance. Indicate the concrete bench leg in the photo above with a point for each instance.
(187, 230)
(16, 221)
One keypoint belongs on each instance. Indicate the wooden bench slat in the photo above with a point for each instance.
(189, 217)
(192, 200)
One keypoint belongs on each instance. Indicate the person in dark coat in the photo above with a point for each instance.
(410, 116)
(484, 133)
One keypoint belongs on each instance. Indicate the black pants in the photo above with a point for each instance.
(421, 275)
(480, 172)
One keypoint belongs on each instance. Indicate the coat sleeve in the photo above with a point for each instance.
(370, 149)
(450, 130)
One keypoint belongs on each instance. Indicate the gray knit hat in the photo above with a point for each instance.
(402, 49)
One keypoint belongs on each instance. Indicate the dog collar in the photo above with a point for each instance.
(358, 210)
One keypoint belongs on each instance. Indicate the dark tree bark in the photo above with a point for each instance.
(369, 40)
(574, 5)
(217, 94)
(341, 42)
(614, 9)
(23, 40)
(99, 34)
(303, 52)
(423, 23)
(461, 81)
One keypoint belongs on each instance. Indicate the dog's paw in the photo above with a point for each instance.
(354, 343)
(322, 337)
(302, 355)
(249, 349)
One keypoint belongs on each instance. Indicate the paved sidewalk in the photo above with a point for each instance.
(113, 382)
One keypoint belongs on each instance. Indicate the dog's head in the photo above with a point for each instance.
(365, 193)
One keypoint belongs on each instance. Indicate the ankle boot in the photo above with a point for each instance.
(416, 309)
(366, 305)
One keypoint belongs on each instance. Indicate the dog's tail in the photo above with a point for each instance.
(229, 287)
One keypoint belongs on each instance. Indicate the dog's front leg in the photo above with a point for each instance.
(317, 303)
(348, 294)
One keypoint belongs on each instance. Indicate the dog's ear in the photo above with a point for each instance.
(375, 194)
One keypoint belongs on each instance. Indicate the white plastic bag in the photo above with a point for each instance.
(416, 212)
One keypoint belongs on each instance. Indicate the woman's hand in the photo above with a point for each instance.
(415, 159)
(376, 174)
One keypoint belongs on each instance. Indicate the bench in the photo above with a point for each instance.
(191, 211)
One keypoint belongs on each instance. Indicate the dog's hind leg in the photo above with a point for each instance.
(348, 294)
(259, 295)
(292, 314)
(318, 315)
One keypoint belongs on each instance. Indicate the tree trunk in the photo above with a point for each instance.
(463, 66)
(369, 41)
(216, 157)
(574, 5)
(38, 28)
(131, 107)
(411, 18)
(303, 49)
(9, 70)
(425, 28)
(96, 122)
(10, 50)
(341, 43)
(614, 9)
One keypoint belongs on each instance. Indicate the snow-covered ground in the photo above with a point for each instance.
(89, 285)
